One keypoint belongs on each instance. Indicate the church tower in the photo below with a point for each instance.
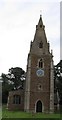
(39, 92)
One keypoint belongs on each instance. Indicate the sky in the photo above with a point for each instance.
(61, 31)
(18, 20)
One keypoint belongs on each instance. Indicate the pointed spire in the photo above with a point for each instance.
(40, 23)
(40, 20)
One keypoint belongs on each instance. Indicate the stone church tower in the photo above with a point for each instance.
(39, 92)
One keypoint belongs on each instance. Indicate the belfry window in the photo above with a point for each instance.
(40, 26)
(16, 99)
(41, 45)
(40, 87)
(40, 63)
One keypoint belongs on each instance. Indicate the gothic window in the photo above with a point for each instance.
(41, 45)
(40, 63)
(16, 99)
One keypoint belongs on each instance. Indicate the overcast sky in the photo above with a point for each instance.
(61, 31)
(18, 19)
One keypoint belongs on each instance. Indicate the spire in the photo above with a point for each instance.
(40, 23)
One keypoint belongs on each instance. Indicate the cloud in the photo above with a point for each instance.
(17, 28)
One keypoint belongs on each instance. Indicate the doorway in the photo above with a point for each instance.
(39, 106)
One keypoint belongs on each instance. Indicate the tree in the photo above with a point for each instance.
(13, 80)
(58, 81)
(16, 76)
(6, 87)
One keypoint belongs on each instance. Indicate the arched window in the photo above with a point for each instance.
(41, 45)
(16, 99)
(40, 63)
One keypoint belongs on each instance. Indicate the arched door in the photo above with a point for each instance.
(39, 106)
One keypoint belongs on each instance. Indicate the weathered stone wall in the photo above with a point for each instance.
(10, 104)
(33, 93)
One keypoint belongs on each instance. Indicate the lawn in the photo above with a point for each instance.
(19, 114)
(0, 112)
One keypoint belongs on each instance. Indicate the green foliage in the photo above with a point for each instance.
(20, 114)
(16, 76)
(58, 81)
(6, 87)
(13, 79)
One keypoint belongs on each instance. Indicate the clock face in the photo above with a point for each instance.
(40, 73)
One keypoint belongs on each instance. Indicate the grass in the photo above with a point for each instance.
(0, 112)
(19, 114)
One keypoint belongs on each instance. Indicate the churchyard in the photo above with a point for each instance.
(19, 114)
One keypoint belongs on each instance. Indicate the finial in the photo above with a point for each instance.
(40, 13)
